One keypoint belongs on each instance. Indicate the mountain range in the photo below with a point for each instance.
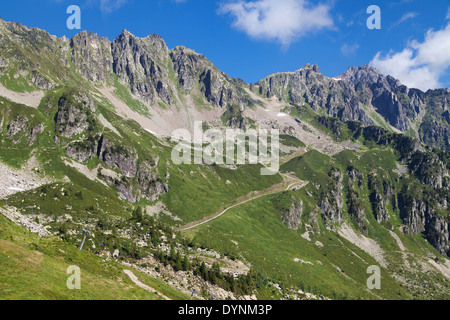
(85, 141)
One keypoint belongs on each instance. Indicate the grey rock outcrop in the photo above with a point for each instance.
(438, 234)
(309, 86)
(34, 133)
(92, 57)
(196, 73)
(123, 158)
(16, 129)
(142, 64)
(74, 114)
(292, 217)
(379, 197)
(82, 151)
(332, 202)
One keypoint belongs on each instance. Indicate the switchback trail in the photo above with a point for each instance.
(290, 182)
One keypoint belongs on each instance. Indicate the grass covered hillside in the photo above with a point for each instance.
(85, 144)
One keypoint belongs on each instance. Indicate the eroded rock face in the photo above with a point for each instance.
(92, 57)
(147, 184)
(419, 216)
(185, 64)
(354, 203)
(74, 115)
(415, 217)
(309, 86)
(16, 129)
(292, 217)
(34, 133)
(142, 64)
(151, 186)
(355, 209)
(82, 151)
(195, 71)
(430, 170)
(396, 103)
(348, 97)
(438, 234)
(332, 202)
(40, 81)
(381, 193)
(19, 129)
(424, 206)
(356, 177)
(435, 127)
(123, 158)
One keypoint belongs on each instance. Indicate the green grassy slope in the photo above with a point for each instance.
(335, 268)
(34, 268)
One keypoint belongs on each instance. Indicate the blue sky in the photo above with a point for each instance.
(254, 38)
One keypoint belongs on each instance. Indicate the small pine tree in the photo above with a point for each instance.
(204, 271)
(138, 214)
(178, 263)
(186, 264)
(172, 252)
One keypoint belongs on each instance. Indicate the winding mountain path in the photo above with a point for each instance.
(290, 182)
(137, 282)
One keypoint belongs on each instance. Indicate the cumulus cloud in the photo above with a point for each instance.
(283, 21)
(421, 64)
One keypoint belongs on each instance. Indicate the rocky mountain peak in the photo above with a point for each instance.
(154, 74)
(365, 73)
(2, 23)
(310, 67)
(152, 40)
(91, 56)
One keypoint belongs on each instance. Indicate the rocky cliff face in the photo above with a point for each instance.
(381, 193)
(421, 216)
(92, 57)
(16, 128)
(426, 211)
(152, 71)
(33, 55)
(438, 234)
(309, 86)
(133, 178)
(404, 108)
(155, 75)
(389, 98)
(359, 90)
(332, 201)
(74, 115)
(195, 71)
(354, 202)
(20, 128)
(142, 64)
(434, 129)
(292, 217)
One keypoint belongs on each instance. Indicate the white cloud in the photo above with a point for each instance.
(349, 50)
(108, 6)
(419, 65)
(280, 20)
(406, 16)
